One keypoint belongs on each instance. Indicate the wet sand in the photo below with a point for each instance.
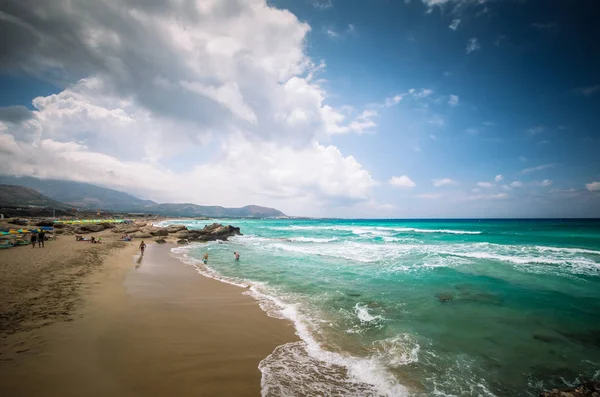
(153, 327)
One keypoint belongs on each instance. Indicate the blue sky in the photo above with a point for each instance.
(422, 108)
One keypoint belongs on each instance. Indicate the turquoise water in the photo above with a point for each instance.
(444, 308)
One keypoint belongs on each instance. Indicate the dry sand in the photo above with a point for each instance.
(78, 319)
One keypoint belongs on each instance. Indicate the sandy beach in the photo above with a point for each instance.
(95, 320)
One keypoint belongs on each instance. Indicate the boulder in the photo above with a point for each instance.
(160, 240)
(213, 232)
(182, 241)
(159, 232)
(92, 228)
(141, 235)
(129, 230)
(182, 234)
(45, 223)
(108, 225)
(586, 389)
(175, 228)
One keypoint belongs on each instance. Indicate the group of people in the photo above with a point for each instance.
(205, 257)
(38, 238)
(92, 240)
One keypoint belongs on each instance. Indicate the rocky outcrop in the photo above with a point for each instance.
(175, 228)
(213, 232)
(92, 228)
(160, 240)
(184, 234)
(45, 223)
(586, 389)
(182, 242)
(141, 234)
(159, 232)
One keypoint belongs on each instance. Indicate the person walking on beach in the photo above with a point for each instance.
(41, 238)
(33, 239)
(237, 256)
(205, 259)
(142, 247)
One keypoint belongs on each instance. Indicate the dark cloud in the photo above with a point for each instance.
(15, 114)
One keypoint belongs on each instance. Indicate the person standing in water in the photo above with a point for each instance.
(237, 256)
(205, 258)
(142, 247)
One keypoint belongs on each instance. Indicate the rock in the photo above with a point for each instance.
(160, 240)
(184, 234)
(159, 232)
(92, 228)
(175, 228)
(444, 297)
(130, 230)
(213, 232)
(141, 235)
(586, 389)
(45, 223)
(182, 241)
(108, 225)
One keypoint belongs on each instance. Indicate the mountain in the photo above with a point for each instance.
(19, 196)
(187, 209)
(92, 197)
(80, 195)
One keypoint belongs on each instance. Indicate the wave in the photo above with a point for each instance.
(359, 230)
(321, 372)
(311, 239)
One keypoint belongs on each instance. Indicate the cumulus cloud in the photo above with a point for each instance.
(498, 178)
(402, 181)
(175, 77)
(516, 184)
(473, 45)
(444, 182)
(593, 186)
(485, 184)
(15, 114)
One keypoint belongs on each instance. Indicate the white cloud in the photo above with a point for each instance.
(593, 186)
(485, 184)
(516, 184)
(430, 196)
(535, 169)
(588, 91)
(391, 101)
(547, 182)
(444, 182)
(322, 4)
(454, 24)
(536, 130)
(545, 26)
(453, 101)
(498, 178)
(332, 33)
(402, 181)
(498, 196)
(227, 84)
(473, 45)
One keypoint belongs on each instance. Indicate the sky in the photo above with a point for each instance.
(330, 108)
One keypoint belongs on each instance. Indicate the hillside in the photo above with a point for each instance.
(19, 196)
(80, 195)
(92, 197)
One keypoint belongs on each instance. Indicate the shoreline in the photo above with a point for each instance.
(150, 328)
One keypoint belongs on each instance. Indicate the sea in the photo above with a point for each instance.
(419, 307)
